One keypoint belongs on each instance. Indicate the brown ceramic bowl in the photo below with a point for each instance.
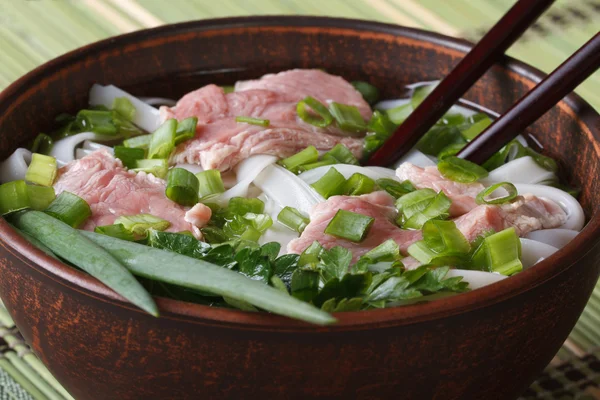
(489, 343)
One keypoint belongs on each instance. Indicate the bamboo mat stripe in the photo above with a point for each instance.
(34, 31)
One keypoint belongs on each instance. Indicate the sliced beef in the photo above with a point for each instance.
(112, 191)
(296, 84)
(526, 214)
(462, 194)
(378, 205)
(221, 142)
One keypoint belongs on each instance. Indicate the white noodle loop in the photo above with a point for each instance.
(15, 167)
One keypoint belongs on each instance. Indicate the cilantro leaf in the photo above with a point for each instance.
(335, 262)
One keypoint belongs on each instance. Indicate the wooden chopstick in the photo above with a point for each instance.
(485, 53)
(562, 81)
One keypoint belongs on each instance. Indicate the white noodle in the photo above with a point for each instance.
(14, 167)
(146, 116)
(294, 193)
(558, 238)
(64, 149)
(277, 232)
(521, 170)
(575, 215)
(313, 175)
(158, 101)
(247, 171)
(533, 252)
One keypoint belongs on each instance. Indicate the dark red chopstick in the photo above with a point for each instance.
(562, 81)
(485, 53)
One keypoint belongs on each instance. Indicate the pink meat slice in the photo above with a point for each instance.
(462, 194)
(112, 191)
(296, 84)
(221, 142)
(378, 205)
(526, 214)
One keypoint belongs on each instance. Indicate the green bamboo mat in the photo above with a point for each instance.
(34, 31)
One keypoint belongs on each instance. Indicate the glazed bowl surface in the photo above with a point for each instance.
(489, 343)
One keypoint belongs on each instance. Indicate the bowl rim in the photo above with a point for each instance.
(560, 262)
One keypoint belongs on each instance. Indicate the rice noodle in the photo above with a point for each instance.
(313, 175)
(64, 149)
(476, 279)
(575, 215)
(193, 168)
(158, 101)
(417, 158)
(89, 147)
(14, 167)
(294, 193)
(521, 170)
(558, 238)
(247, 171)
(277, 232)
(146, 116)
(533, 252)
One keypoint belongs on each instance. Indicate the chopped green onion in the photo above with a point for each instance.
(100, 122)
(13, 197)
(415, 201)
(158, 168)
(42, 144)
(451, 119)
(260, 222)
(253, 121)
(500, 252)
(123, 106)
(117, 231)
(341, 154)
(307, 156)
(438, 138)
(323, 117)
(70, 209)
(460, 170)
(323, 163)
(293, 219)
(442, 244)
(162, 141)
(40, 197)
(444, 236)
(482, 197)
(186, 130)
(330, 184)
(129, 156)
(386, 251)
(242, 206)
(450, 150)
(358, 184)
(395, 188)
(381, 124)
(369, 92)
(182, 187)
(436, 209)
(42, 170)
(420, 93)
(228, 89)
(476, 128)
(140, 224)
(349, 225)
(348, 118)
(210, 182)
(138, 142)
(397, 115)
(251, 234)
